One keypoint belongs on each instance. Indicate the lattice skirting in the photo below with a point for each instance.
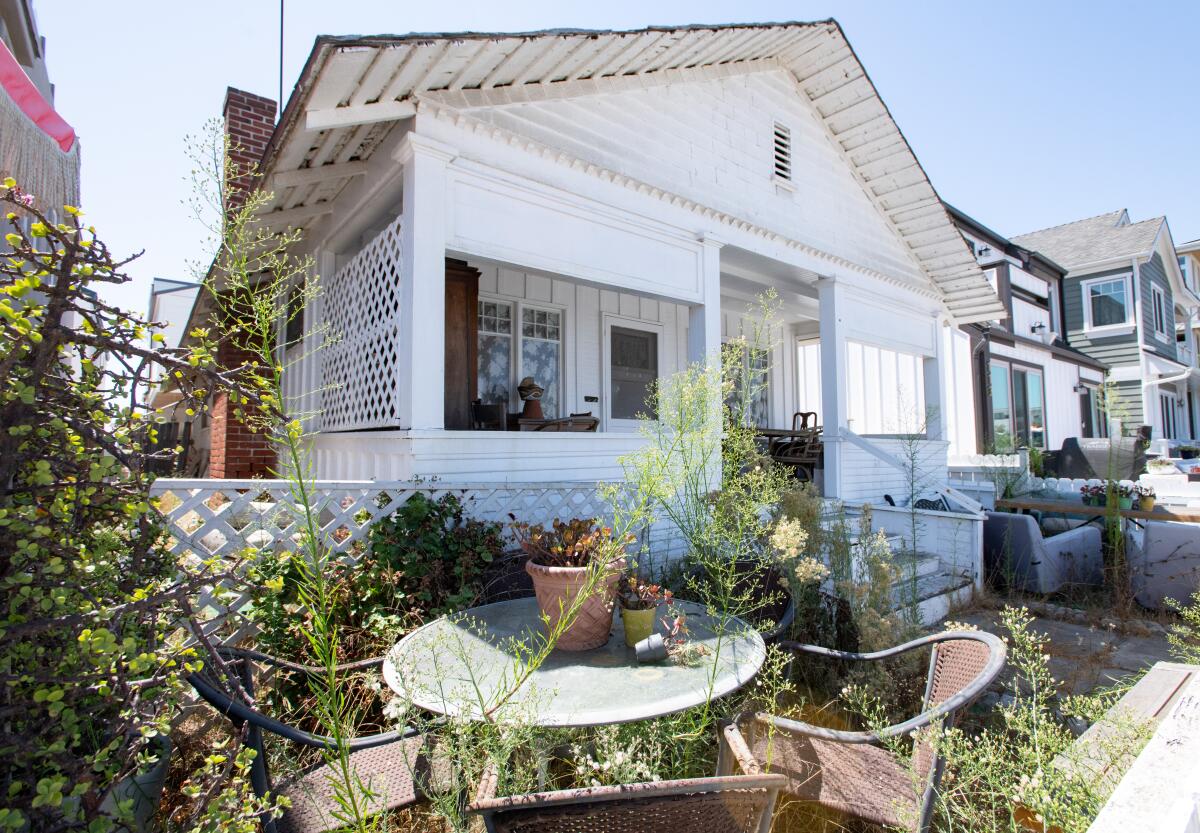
(220, 518)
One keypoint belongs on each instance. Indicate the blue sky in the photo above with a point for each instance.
(1024, 114)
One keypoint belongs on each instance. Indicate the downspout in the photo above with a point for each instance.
(1137, 330)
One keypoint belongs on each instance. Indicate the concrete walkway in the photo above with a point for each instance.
(1084, 657)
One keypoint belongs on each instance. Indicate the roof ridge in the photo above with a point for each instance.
(1072, 223)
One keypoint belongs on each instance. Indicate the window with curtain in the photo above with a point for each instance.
(495, 352)
(541, 354)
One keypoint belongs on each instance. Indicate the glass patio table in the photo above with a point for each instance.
(453, 664)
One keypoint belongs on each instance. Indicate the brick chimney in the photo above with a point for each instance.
(235, 451)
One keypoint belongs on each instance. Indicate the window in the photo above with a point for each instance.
(752, 375)
(541, 354)
(495, 352)
(1158, 302)
(1093, 420)
(1018, 407)
(1166, 404)
(537, 353)
(293, 327)
(633, 371)
(1107, 302)
(783, 152)
(1186, 269)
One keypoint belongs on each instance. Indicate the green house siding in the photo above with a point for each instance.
(1114, 351)
(1154, 274)
(1128, 405)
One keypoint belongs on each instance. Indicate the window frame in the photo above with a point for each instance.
(1158, 312)
(515, 346)
(1130, 321)
(1013, 366)
(608, 321)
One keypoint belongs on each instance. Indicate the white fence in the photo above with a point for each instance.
(222, 518)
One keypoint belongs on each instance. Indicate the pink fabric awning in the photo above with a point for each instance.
(27, 97)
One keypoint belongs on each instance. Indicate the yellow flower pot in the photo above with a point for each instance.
(1146, 504)
(639, 624)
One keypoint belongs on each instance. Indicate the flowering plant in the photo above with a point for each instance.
(675, 637)
(1145, 491)
(1094, 490)
(788, 541)
(637, 595)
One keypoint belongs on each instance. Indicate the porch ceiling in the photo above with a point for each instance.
(353, 90)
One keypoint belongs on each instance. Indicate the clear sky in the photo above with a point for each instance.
(1024, 114)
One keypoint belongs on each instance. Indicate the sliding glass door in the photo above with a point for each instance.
(1018, 406)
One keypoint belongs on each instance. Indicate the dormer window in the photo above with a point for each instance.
(783, 153)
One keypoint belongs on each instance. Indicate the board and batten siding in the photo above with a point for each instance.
(1153, 274)
(584, 310)
(1113, 350)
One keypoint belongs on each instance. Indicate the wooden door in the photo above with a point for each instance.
(462, 339)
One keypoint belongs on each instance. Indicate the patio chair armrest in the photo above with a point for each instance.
(732, 740)
(994, 644)
(242, 713)
(488, 782)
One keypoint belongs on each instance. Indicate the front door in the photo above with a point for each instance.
(462, 338)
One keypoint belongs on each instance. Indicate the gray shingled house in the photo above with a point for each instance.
(1126, 303)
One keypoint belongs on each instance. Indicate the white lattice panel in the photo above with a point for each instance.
(361, 385)
(222, 518)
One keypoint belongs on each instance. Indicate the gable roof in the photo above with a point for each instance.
(1094, 239)
(1021, 253)
(354, 88)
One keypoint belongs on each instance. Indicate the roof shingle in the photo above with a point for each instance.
(1094, 239)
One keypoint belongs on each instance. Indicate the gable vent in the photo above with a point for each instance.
(783, 152)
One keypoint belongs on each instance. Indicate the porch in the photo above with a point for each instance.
(596, 352)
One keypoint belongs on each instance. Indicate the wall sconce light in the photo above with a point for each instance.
(1080, 389)
(1037, 326)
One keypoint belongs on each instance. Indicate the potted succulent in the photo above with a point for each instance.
(639, 604)
(1146, 497)
(563, 561)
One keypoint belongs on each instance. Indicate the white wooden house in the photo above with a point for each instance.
(595, 209)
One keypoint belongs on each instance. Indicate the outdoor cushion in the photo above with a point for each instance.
(1164, 561)
(1016, 552)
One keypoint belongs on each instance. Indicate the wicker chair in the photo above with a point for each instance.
(384, 762)
(725, 803)
(849, 772)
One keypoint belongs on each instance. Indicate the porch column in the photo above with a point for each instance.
(934, 372)
(704, 319)
(834, 307)
(423, 283)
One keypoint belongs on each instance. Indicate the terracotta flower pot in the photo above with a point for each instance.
(638, 624)
(556, 589)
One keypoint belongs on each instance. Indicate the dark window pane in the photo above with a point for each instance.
(634, 359)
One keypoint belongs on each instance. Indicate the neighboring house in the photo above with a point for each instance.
(1122, 298)
(37, 147)
(597, 210)
(1031, 388)
(171, 304)
(1187, 327)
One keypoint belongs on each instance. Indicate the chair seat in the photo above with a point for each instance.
(856, 780)
(386, 770)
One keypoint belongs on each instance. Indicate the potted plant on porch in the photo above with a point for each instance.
(639, 605)
(1146, 497)
(571, 558)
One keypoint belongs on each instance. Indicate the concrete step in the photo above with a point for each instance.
(934, 594)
